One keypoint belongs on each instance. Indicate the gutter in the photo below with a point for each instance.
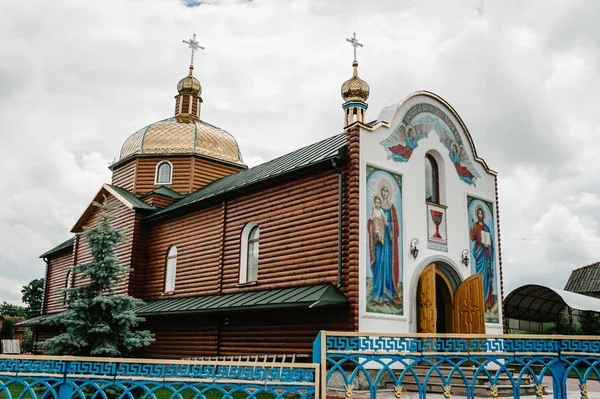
(340, 186)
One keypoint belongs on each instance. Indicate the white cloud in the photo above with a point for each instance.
(522, 74)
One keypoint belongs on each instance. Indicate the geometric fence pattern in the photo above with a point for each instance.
(67, 377)
(471, 366)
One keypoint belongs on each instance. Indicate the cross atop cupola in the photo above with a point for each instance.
(355, 91)
(187, 102)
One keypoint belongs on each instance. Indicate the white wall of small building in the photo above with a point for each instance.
(414, 216)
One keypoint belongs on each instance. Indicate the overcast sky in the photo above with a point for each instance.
(78, 77)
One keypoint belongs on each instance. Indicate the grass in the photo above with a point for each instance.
(16, 389)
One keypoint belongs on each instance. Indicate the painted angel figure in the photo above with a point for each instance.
(460, 158)
(403, 141)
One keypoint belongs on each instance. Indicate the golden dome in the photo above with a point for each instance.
(189, 84)
(183, 135)
(355, 89)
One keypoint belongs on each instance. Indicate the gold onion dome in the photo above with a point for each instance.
(183, 135)
(355, 89)
(189, 84)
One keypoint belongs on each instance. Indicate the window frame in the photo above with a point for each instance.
(68, 283)
(245, 243)
(435, 169)
(169, 256)
(156, 173)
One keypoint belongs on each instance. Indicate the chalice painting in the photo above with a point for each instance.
(437, 230)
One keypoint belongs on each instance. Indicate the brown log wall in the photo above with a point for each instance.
(189, 173)
(182, 336)
(158, 200)
(124, 221)
(124, 175)
(57, 280)
(350, 234)
(298, 240)
(290, 331)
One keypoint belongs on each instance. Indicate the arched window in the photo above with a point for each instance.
(171, 269)
(432, 180)
(249, 253)
(164, 173)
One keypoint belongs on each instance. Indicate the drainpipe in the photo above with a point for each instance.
(340, 185)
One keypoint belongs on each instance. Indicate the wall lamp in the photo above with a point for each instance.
(414, 248)
(465, 257)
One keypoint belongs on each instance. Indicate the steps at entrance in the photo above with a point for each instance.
(458, 387)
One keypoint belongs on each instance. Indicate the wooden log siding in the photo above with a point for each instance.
(182, 336)
(195, 236)
(350, 233)
(190, 173)
(124, 175)
(298, 232)
(298, 239)
(290, 331)
(124, 221)
(57, 279)
(158, 200)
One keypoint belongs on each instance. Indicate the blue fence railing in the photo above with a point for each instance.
(70, 377)
(345, 364)
(467, 366)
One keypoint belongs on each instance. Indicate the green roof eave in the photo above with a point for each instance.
(59, 247)
(310, 296)
(34, 321)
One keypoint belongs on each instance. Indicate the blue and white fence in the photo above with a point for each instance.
(347, 364)
(39, 377)
(474, 365)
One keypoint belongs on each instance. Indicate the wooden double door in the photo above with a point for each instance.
(440, 310)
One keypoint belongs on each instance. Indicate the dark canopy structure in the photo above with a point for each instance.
(543, 304)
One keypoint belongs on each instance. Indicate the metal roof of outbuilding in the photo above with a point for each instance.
(585, 279)
(543, 304)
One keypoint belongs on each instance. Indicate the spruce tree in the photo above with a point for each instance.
(97, 322)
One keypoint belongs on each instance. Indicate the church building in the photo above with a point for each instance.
(385, 226)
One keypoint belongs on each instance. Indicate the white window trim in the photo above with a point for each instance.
(170, 281)
(244, 252)
(156, 183)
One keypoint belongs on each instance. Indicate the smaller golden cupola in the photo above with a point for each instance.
(188, 100)
(355, 92)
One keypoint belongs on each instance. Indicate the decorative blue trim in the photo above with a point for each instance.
(52, 377)
(355, 104)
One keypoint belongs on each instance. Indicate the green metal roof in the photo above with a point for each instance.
(132, 198)
(37, 320)
(307, 296)
(59, 247)
(299, 159)
(166, 191)
(585, 280)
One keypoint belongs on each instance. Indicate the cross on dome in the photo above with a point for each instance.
(194, 45)
(354, 43)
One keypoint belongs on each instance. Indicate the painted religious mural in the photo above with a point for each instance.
(418, 122)
(384, 226)
(482, 244)
(437, 230)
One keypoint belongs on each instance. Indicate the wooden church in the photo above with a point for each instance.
(389, 226)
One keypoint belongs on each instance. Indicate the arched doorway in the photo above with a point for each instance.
(446, 305)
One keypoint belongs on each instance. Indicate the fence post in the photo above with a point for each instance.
(65, 390)
(320, 358)
(559, 381)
